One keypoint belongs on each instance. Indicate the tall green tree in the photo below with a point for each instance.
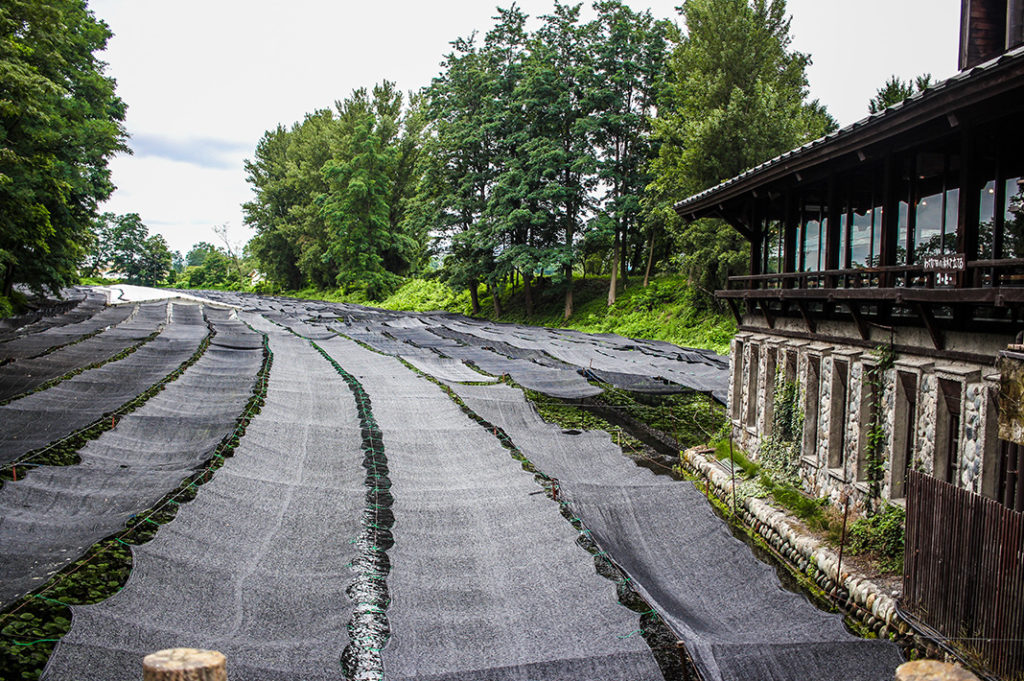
(124, 245)
(735, 97)
(60, 123)
(630, 50)
(369, 184)
(896, 90)
(544, 193)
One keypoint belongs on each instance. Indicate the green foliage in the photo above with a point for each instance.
(333, 196)
(674, 318)
(883, 535)
(735, 96)
(122, 243)
(689, 418)
(726, 452)
(780, 452)
(896, 90)
(874, 452)
(425, 295)
(60, 122)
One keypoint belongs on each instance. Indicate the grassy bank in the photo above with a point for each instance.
(665, 310)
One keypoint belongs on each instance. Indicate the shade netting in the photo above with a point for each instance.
(24, 375)
(51, 515)
(487, 581)
(32, 344)
(257, 565)
(736, 620)
(48, 415)
(84, 304)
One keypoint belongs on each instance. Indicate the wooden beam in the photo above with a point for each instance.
(858, 319)
(808, 319)
(769, 318)
(925, 313)
(735, 310)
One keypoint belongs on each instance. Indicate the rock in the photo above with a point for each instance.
(932, 670)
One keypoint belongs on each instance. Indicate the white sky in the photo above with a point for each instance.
(204, 79)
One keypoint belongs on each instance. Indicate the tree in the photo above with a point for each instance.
(60, 122)
(896, 90)
(736, 96)
(197, 254)
(123, 244)
(544, 193)
(630, 51)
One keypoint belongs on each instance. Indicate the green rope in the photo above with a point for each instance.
(38, 640)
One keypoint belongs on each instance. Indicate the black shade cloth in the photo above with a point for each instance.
(50, 516)
(48, 415)
(34, 344)
(487, 581)
(84, 304)
(257, 565)
(26, 374)
(737, 621)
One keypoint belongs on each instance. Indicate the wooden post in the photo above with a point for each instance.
(184, 664)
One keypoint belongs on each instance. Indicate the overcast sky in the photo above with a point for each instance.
(204, 79)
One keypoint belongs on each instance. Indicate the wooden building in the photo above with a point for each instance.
(903, 230)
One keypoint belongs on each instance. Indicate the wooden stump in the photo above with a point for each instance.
(933, 670)
(184, 664)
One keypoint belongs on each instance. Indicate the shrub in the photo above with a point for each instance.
(882, 534)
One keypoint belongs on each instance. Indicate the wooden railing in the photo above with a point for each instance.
(964, 572)
(977, 274)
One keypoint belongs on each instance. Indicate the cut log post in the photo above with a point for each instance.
(933, 670)
(184, 664)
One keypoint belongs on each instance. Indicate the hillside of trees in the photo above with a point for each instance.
(536, 156)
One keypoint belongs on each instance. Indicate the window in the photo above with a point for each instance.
(936, 205)
(772, 260)
(737, 382)
(1013, 219)
(752, 372)
(814, 228)
(769, 388)
(811, 406)
(947, 431)
(1011, 475)
(837, 418)
(904, 426)
(868, 406)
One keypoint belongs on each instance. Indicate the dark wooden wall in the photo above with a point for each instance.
(982, 31)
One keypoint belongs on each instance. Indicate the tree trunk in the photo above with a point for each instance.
(8, 282)
(568, 291)
(474, 296)
(650, 258)
(615, 271)
(623, 250)
(528, 292)
(184, 664)
(495, 299)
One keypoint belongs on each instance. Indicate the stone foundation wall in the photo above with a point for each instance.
(832, 456)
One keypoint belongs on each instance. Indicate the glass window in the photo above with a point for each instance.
(928, 227)
(902, 232)
(1013, 219)
(987, 221)
(812, 243)
(861, 238)
(844, 240)
(952, 199)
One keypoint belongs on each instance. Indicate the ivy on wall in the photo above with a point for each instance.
(779, 455)
(885, 357)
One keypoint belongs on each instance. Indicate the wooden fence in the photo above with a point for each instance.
(964, 572)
